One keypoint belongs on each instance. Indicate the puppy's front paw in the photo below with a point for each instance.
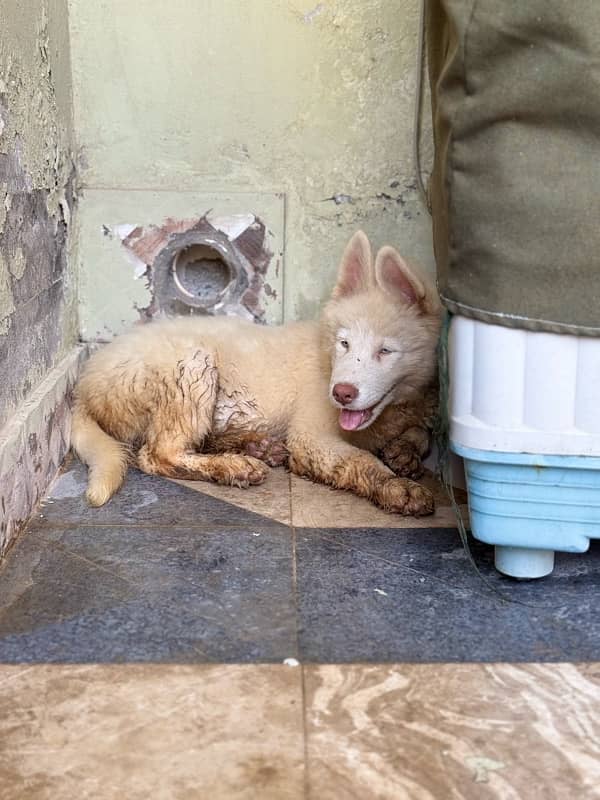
(401, 496)
(403, 457)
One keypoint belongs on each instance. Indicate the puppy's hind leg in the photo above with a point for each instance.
(181, 419)
(174, 460)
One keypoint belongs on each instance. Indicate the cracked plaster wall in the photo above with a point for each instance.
(38, 320)
(314, 100)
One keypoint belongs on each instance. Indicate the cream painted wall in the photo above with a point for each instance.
(259, 97)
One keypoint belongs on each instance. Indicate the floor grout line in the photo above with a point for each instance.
(403, 567)
(294, 577)
(206, 527)
(291, 501)
(305, 735)
(221, 526)
(306, 778)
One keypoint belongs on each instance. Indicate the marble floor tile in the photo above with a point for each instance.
(119, 594)
(283, 498)
(152, 500)
(317, 506)
(466, 732)
(270, 500)
(151, 731)
(367, 595)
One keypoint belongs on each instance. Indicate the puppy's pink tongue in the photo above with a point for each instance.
(351, 420)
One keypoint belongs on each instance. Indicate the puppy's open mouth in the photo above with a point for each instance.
(352, 420)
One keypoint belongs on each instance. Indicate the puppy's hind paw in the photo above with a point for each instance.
(243, 471)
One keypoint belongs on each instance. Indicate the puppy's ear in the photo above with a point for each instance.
(396, 276)
(355, 273)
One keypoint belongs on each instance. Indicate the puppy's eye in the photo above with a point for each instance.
(345, 343)
(384, 351)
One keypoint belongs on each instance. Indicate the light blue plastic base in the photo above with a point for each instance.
(528, 506)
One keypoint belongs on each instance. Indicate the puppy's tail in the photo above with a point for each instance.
(106, 457)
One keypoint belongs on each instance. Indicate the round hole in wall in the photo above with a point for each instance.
(202, 274)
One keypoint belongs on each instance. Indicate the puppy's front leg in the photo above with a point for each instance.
(334, 462)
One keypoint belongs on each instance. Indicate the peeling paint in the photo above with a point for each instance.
(7, 305)
(310, 16)
(18, 263)
(233, 225)
(338, 199)
(33, 124)
(270, 292)
(3, 208)
(38, 322)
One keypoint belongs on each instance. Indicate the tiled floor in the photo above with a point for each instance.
(191, 641)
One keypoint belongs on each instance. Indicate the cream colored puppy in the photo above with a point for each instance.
(218, 398)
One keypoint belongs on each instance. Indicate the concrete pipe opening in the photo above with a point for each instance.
(202, 274)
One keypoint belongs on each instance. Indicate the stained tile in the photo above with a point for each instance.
(270, 500)
(317, 506)
(114, 594)
(469, 732)
(150, 500)
(391, 595)
(140, 731)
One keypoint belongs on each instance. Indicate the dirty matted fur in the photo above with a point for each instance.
(221, 399)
